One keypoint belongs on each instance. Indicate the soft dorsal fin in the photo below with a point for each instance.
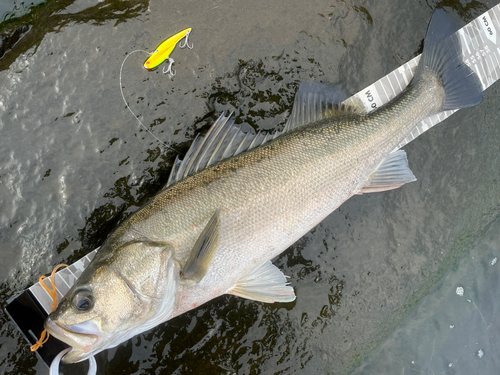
(316, 101)
(266, 284)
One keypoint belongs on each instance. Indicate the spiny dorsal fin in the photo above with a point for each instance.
(316, 101)
(223, 140)
(266, 284)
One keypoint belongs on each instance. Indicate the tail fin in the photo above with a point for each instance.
(442, 54)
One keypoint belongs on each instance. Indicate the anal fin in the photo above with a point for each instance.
(392, 173)
(266, 284)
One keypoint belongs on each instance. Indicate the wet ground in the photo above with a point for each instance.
(74, 163)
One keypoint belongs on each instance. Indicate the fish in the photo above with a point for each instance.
(237, 200)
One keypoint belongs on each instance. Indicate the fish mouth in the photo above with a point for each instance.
(83, 344)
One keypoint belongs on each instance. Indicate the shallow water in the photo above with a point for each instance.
(75, 163)
(455, 329)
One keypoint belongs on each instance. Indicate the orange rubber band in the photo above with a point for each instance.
(53, 293)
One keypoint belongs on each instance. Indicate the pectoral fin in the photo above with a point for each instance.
(391, 173)
(266, 284)
(203, 251)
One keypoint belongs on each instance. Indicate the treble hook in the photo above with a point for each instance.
(186, 42)
(169, 68)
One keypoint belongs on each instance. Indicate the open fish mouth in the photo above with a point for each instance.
(83, 344)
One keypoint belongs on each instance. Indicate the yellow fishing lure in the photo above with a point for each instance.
(165, 49)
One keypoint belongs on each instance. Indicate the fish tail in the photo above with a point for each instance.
(442, 55)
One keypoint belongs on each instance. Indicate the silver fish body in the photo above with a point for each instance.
(271, 196)
(263, 200)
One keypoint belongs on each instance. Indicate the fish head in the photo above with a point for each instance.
(116, 297)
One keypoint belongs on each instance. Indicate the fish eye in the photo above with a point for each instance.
(83, 300)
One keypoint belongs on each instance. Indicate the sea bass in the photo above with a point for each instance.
(236, 201)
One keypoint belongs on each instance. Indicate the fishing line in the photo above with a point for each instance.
(53, 293)
(126, 104)
(162, 53)
(44, 337)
